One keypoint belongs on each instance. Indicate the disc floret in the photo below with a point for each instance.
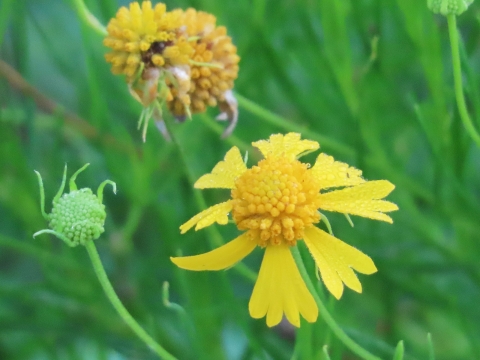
(78, 216)
(275, 200)
(147, 36)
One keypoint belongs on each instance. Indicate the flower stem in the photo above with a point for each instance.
(117, 304)
(347, 341)
(88, 18)
(457, 77)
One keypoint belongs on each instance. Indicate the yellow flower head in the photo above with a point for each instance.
(276, 203)
(179, 57)
(145, 36)
(214, 67)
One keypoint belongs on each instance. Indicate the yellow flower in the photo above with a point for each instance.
(179, 57)
(145, 36)
(276, 203)
(213, 69)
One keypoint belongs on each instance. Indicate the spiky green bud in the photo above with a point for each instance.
(78, 216)
(449, 7)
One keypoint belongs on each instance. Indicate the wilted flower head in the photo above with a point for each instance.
(213, 69)
(181, 58)
(276, 203)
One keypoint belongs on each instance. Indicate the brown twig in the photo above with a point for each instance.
(49, 106)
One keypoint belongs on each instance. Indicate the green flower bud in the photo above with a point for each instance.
(449, 7)
(78, 216)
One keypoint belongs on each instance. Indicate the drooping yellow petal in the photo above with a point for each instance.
(224, 173)
(362, 200)
(280, 290)
(331, 173)
(286, 146)
(217, 213)
(221, 258)
(335, 260)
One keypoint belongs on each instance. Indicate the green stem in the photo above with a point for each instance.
(88, 18)
(182, 314)
(457, 77)
(347, 341)
(117, 304)
(303, 342)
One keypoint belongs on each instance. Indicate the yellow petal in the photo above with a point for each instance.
(221, 258)
(280, 290)
(330, 277)
(331, 173)
(352, 256)
(335, 260)
(217, 213)
(362, 200)
(224, 173)
(275, 313)
(291, 310)
(289, 146)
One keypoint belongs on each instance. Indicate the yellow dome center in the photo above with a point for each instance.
(275, 200)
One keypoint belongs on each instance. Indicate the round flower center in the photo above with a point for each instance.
(275, 200)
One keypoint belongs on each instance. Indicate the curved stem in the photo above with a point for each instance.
(182, 314)
(88, 18)
(117, 304)
(457, 77)
(339, 333)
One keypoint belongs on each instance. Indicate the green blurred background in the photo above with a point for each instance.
(370, 80)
